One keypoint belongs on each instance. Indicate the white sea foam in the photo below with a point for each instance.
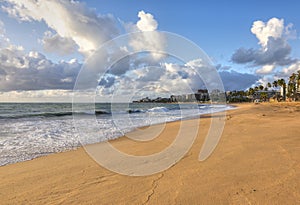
(26, 138)
(158, 109)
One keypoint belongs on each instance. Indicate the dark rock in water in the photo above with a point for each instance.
(134, 111)
(101, 112)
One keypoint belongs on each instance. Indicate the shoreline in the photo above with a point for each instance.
(256, 161)
(117, 137)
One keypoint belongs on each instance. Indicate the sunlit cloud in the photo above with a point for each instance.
(71, 20)
(273, 38)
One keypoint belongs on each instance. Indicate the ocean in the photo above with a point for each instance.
(30, 130)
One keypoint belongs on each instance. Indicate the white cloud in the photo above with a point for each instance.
(172, 78)
(287, 71)
(284, 72)
(272, 60)
(74, 24)
(196, 63)
(164, 79)
(37, 95)
(265, 69)
(54, 43)
(146, 22)
(4, 41)
(273, 28)
(70, 19)
(33, 71)
(275, 50)
(151, 41)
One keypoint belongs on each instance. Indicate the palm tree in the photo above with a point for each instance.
(261, 87)
(269, 85)
(289, 90)
(292, 86)
(251, 91)
(263, 96)
(282, 84)
(275, 84)
(298, 80)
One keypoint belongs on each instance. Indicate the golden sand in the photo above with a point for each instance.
(257, 161)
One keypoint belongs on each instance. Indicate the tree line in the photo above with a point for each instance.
(290, 89)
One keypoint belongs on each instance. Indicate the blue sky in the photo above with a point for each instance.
(220, 28)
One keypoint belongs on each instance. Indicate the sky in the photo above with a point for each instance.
(44, 43)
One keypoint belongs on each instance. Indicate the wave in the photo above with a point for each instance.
(158, 109)
(203, 106)
(53, 114)
(29, 115)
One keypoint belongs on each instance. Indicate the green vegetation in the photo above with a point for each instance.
(289, 91)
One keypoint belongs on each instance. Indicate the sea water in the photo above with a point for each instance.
(30, 130)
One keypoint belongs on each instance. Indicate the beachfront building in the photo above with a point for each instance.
(183, 98)
(200, 96)
(217, 95)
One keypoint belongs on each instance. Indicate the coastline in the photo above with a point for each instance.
(256, 161)
(53, 130)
